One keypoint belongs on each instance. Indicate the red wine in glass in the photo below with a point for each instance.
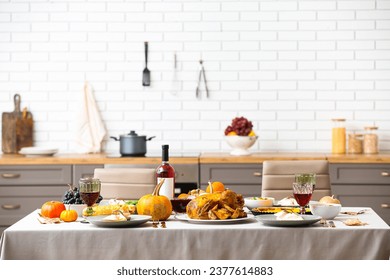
(89, 197)
(302, 194)
(302, 199)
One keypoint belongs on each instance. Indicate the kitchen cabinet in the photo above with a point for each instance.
(24, 188)
(364, 185)
(241, 178)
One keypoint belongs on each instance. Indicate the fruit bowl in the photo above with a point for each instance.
(240, 144)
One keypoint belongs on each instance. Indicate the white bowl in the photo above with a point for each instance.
(326, 211)
(240, 144)
(78, 207)
(253, 202)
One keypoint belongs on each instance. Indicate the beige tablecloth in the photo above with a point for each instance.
(28, 239)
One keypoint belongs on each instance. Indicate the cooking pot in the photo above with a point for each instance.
(132, 144)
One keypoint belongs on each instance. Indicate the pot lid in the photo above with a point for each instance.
(131, 134)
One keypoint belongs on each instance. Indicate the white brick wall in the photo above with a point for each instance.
(289, 66)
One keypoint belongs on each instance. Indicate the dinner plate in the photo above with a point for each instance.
(185, 218)
(38, 151)
(135, 220)
(270, 220)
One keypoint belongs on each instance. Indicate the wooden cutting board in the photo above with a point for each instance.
(17, 129)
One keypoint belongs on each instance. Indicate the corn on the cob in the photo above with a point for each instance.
(108, 209)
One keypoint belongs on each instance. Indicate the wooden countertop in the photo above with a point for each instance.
(6, 159)
(205, 158)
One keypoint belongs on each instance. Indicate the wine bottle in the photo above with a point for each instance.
(166, 171)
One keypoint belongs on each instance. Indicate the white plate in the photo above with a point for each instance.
(38, 151)
(184, 217)
(135, 220)
(270, 220)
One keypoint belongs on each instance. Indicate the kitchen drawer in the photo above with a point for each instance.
(360, 173)
(16, 202)
(231, 174)
(375, 196)
(38, 175)
(83, 171)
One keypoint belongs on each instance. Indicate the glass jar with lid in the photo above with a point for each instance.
(355, 143)
(338, 136)
(370, 142)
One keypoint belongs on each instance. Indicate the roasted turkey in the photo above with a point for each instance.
(216, 206)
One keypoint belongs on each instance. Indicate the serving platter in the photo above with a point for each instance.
(135, 220)
(270, 220)
(38, 151)
(185, 218)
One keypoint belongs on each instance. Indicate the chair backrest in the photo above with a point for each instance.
(125, 183)
(278, 177)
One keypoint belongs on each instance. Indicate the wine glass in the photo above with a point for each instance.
(89, 189)
(302, 193)
(309, 178)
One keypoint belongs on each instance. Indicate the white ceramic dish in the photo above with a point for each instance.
(38, 151)
(185, 218)
(251, 202)
(326, 211)
(135, 220)
(270, 220)
(240, 144)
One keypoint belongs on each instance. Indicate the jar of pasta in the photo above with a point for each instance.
(370, 142)
(355, 143)
(338, 136)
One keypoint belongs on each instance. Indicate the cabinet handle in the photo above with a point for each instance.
(10, 206)
(10, 175)
(257, 174)
(385, 205)
(385, 174)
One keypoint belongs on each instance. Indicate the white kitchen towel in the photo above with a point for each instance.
(90, 129)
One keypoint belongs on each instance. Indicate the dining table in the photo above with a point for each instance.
(183, 239)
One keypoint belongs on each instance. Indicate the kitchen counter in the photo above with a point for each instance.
(204, 158)
(93, 159)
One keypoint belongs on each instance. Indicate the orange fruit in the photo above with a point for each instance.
(232, 133)
(252, 133)
(217, 187)
(183, 196)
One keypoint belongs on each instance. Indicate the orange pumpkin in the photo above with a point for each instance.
(52, 209)
(69, 215)
(156, 205)
(215, 187)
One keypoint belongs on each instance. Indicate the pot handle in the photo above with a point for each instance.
(116, 139)
(150, 138)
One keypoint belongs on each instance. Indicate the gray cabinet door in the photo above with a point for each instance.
(35, 175)
(241, 178)
(363, 185)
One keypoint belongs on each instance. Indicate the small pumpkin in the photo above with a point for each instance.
(156, 205)
(215, 187)
(69, 215)
(52, 209)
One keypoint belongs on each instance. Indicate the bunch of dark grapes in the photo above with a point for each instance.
(241, 126)
(72, 196)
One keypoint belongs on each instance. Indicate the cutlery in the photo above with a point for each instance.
(146, 72)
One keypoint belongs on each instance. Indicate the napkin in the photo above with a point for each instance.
(90, 129)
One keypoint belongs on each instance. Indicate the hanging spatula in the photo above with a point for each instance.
(146, 72)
